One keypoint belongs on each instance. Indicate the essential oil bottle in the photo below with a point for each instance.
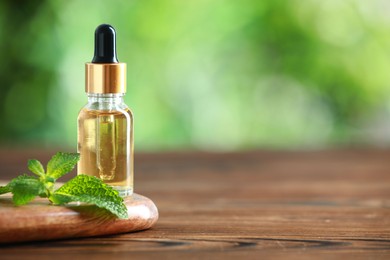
(105, 124)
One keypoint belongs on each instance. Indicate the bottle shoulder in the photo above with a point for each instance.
(88, 112)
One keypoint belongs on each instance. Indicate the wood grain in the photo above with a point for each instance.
(331, 204)
(40, 221)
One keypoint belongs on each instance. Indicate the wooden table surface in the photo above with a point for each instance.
(295, 205)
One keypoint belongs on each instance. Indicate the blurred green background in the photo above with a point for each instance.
(204, 74)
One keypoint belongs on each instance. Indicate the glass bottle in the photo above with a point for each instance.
(105, 124)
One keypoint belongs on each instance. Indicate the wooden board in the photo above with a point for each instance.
(41, 221)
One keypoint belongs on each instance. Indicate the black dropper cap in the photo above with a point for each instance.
(105, 44)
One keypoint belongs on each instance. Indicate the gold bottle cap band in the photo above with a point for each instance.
(104, 78)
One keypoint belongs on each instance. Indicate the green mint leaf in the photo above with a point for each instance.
(61, 163)
(89, 189)
(4, 189)
(25, 188)
(36, 167)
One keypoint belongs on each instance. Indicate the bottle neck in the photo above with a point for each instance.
(116, 98)
(109, 102)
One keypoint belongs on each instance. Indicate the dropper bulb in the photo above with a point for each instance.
(105, 44)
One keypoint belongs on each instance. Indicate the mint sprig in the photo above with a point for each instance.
(82, 188)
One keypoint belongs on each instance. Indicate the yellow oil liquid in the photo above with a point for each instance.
(105, 144)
